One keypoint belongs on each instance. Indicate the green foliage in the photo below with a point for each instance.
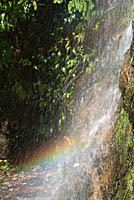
(4, 165)
(6, 51)
(123, 136)
(129, 98)
(83, 7)
(125, 185)
(13, 11)
(89, 69)
(58, 1)
(11, 14)
(43, 73)
(67, 60)
(25, 62)
(124, 145)
(132, 13)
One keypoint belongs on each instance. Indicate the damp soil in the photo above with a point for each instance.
(24, 185)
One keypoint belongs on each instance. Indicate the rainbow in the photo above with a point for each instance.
(54, 151)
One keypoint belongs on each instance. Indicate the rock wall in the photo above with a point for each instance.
(97, 105)
(87, 172)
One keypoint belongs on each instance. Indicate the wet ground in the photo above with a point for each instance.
(24, 185)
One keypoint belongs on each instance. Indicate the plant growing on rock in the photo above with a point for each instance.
(128, 99)
(4, 165)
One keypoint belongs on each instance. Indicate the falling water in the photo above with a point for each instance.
(75, 167)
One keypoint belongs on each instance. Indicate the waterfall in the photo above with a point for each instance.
(80, 165)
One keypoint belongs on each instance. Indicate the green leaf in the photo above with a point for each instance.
(81, 37)
(88, 70)
(63, 69)
(60, 121)
(67, 46)
(85, 57)
(80, 6)
(70, 6)
(91, 64)
(58, 1)
(10, 4)
(35, 67)
(59, 53)
(35, 5)
(68, 95)
(2, 16)
(91, 7)
(21, 1)
(41, 104)
(101, 13)
(2, 25)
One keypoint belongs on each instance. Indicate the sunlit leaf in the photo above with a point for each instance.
(88, 70)
(60, 121)
(35, 5)
(35, 67)
(20, 2)
(58, 1)
(59, 53)
(70, 6)
(2, 16)
(63, 69)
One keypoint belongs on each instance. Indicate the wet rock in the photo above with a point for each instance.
(127, 86)
(97, 99)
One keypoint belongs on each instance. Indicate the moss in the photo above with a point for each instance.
(124, 141)
(128, 99)
(125, 189)
(123, 136)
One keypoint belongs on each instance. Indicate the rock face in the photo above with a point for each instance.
(90, 173)
(88, 169)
